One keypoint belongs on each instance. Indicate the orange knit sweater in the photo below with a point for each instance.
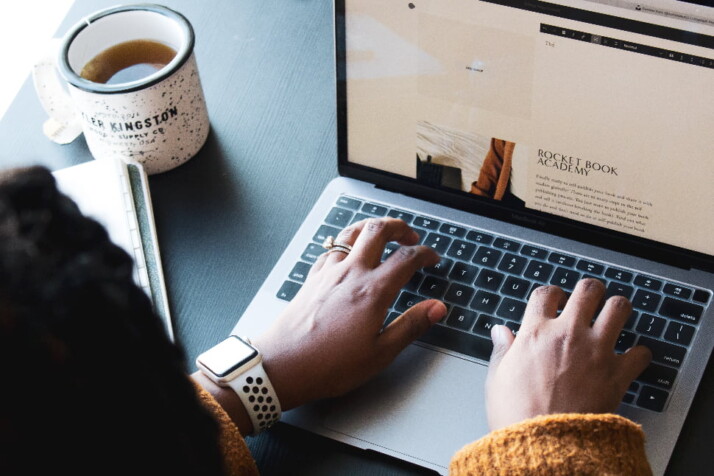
(548, 445)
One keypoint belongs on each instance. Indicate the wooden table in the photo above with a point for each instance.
(223, 218)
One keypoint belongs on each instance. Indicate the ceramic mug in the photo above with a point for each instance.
(158, 118)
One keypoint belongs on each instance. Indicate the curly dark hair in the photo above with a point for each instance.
(91, 382)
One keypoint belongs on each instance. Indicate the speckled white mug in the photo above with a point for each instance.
(160, 121)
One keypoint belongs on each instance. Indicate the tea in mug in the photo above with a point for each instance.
(129, 61)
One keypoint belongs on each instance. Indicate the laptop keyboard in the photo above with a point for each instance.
(486, 279)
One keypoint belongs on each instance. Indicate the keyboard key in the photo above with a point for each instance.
(339, 217)
(484, 324)
(618, 289)
(359, 217)
(404, 216)
(452, 230)
(458, 341)
(406, 300)
(438, 243)
(433, 287)
(562, 260)
(511, 309)
(514, 326)
(460, 318)
(677, 291)
(441, 268)
(489, 279)
(663, 352)
(538, 271)
(513, 263)
(461, 250)
(421, 233)
(414, 282)
(508, 245)
(681, 310)
(628, 398)
(288, 290)
(427, 223)
(631, 320)
(389, 250)
(459, 294)
(590, 267)
(650, 325)
(565, 278)
(312, 252)
(534, 252)
(659, 375)
(618, 274)
(485, 302)
(701, 296)
(515, 287)
(634, 387)
(679, 333)
(646, 300)
(300, 271)
(647, 282)
(323, 232)
(624, 341)
(592, 276)
(478, 237)
(487, 257)
(347, 202)
(652, 398)
(463, 272)
(374, 210)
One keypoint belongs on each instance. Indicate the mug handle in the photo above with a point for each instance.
(63, 125)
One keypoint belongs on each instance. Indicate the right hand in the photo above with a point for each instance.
(562, 364)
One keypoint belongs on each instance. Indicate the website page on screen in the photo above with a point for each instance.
(599, 111)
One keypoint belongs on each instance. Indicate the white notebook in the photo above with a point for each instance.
(116, 194)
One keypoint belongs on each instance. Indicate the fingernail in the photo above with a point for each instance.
(497, 335)
(436, 312)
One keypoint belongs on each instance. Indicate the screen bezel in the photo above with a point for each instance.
(541, 221)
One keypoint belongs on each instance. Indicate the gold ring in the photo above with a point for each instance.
(338, 248)
(331, 244)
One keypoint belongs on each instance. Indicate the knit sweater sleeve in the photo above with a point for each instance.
(564, 444)
(236, 456)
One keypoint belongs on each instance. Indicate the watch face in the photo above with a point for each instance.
(227, 356)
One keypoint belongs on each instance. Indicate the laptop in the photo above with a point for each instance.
(529, 143)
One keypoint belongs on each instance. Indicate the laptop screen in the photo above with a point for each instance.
(595, 112)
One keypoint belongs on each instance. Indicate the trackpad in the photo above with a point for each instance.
(426, 405)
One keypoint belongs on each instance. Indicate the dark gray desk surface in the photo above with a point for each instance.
(267, 71)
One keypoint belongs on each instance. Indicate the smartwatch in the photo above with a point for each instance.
(235, 363)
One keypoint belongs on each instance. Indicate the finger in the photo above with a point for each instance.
(318, 264)
(632, 363)
(347, 236)
(612, 318)
(374, 236)
(544, 303)
(584, 302)
(502, 338)
(411, 325)
(402, 264)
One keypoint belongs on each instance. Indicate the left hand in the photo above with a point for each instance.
(328, 340)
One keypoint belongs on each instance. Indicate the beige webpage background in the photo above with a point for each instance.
(604, 136)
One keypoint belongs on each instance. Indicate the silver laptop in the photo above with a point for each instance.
(529, 143)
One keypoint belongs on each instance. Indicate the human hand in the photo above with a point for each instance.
(562, 364)
(327, 341)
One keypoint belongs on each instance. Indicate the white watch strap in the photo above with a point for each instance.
(258, 396)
